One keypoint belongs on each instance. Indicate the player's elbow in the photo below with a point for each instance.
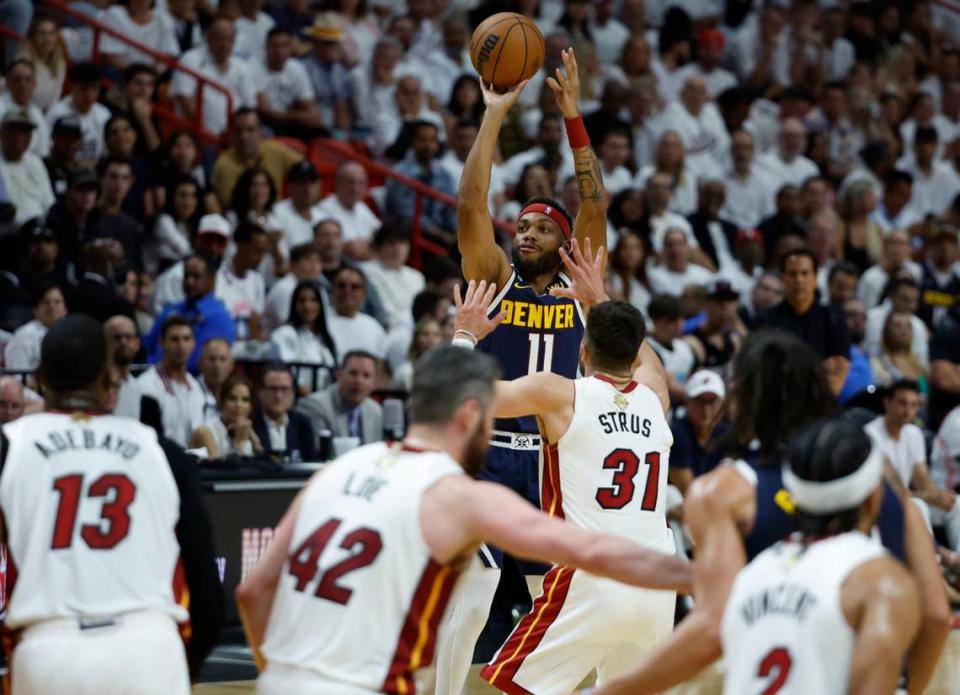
(249, 592)
(936, 616)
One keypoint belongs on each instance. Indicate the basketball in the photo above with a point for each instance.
(506, 49)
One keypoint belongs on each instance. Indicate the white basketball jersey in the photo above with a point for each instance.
(91, 507)
(783, 627)
(360, 596)
(608, 471)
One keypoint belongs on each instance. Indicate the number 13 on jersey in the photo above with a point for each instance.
(540, 343)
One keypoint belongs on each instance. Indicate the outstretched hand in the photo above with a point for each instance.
(586, 275)
(500, 102)
(471, 316)
(565, 85)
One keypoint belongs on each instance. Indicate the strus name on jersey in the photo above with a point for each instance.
(81, 438)
(791, 600)
(624, 422)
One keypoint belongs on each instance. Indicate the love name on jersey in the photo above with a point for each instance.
(364, 487)
(547, 317)
(624, 422)
(787, 599)
(84, 439)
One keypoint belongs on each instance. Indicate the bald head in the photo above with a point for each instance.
(123, 341)
(351, 184)
(793, 138)
(694, 94)
(11, 399)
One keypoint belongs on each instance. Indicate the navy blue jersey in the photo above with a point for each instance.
(774, 518)
(540, 334)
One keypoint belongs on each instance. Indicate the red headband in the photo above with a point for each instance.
(550, 212)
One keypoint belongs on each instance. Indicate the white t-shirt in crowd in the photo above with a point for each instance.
(748, 200)
(678, 359)
(239, 79)
(903, 453)
(251, 43)
(286, 86)
(361, 332)
(159, 34)
(358, 223)
(28, 186)
(91, 123)
(666, 281)
(296, 229)
(396, 287)
(23, 350)
(242, 295)
(781, 173)
(874, 281)
(181, 404)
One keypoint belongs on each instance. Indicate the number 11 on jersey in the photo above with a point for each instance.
(533, 366)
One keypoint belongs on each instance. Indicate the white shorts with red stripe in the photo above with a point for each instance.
(579, 623)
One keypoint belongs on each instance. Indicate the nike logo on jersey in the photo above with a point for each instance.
(548, 317)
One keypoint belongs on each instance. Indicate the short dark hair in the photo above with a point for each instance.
(40, 289)
(275, 368)
(84, 74)
(208, 263)
(22, 61)
(389, 233)
(446, 377)
(301, 251)
(614, 130)
(925, 133)
(425, 303)
(895, 176)
(246, 230)
(117, 116)
(901, 385)
(436, 269)
(245, 111)
(360, 355)
(350, 269)
(173, 321)
(554, 204)
(73, 353)
(135, 69)
(845, 267)
(420, 124)
(107, 161)
(665, 306)
(897, 283)
(277, 31)
(615, 331)
(794, 253)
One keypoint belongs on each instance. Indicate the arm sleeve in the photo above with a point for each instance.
(195, 536)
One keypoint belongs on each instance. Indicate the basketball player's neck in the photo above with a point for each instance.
(541, 281)
(619, 379)
(436, 439)
(87, 400)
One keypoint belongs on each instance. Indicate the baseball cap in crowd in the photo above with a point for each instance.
(747, 235)
(944, 231)
(68, 125)
(83, 178)
(721, 290)
(17, 118)
(711, 38)
(303, 171)
(35, 230)
(705, 381)
(324, 28)
(214, 224)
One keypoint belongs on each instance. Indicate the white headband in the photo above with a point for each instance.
(836, 495)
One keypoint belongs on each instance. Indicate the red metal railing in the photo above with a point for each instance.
(419, 243)
(202, 81)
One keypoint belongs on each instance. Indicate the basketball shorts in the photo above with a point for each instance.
(137, 653)
(282, 679)
(579, 623)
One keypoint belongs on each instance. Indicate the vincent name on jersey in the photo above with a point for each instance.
(786, 599)
(624, 422)
(78, 438)
(547, 317)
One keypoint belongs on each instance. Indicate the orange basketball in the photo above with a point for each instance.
(506, 49)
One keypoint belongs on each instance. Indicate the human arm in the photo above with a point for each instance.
(195, 538)
(710, 511)
(458, 513)
(591, 222)
(927, 490)
(202, 438)
(255, 594)
(945, 376)
(881, 602)
(483, 259)
(651, 374)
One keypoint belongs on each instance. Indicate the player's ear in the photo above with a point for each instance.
(467, 417)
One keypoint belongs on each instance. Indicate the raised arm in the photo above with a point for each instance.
(483, 259)
(591, 222)
(459, 513)
(652, 374)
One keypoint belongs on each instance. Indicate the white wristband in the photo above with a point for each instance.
(463, 343)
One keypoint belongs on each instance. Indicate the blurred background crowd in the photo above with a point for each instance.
(788, 163)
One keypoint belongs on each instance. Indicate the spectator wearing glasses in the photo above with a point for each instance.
(352, 329)
(282, 430)
(207, 315)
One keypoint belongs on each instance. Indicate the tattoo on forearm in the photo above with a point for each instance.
(589, 178)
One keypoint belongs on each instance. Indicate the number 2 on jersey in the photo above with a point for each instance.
(303, 561)
(533, 366)
(626, 465)
(115, 512)
(776, 660)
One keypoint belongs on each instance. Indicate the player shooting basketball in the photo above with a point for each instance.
(541, 332)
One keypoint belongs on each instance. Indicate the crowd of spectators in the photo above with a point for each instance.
(789, 164)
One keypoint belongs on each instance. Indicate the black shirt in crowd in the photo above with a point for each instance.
(823, 327)
(945, 345)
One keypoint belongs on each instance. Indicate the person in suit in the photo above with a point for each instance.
(345, 407)
(282, 430)
(94, 293)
